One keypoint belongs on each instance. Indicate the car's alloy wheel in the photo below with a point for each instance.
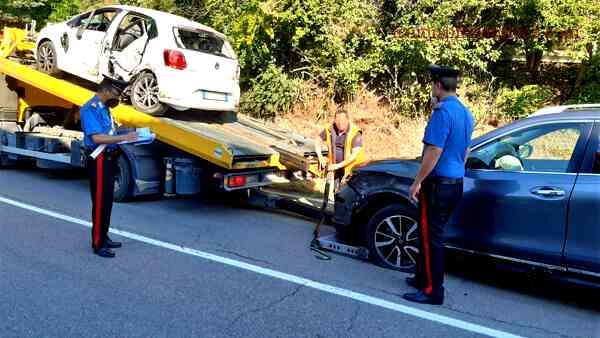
(46, 58)
(145, 95)
(396, 240)
(392, 237)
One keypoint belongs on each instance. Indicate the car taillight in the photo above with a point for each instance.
(236, 181)
(174, 59)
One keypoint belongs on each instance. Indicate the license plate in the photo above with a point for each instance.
(251, 179)
(214, 96)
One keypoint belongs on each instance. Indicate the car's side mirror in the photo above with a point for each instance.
(525, 150)
(79, 34)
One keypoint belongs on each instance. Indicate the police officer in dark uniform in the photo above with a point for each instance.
(438, 186)
(100, 143)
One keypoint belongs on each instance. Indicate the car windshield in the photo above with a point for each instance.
(203, 41)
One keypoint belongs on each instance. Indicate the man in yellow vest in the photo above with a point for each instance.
(344, 147)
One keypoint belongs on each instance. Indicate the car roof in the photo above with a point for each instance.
(565, 108)
(573, 114)
(164, 18)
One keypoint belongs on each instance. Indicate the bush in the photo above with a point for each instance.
(271, 92)
(589, 92)
(519, 103)
(64, 9)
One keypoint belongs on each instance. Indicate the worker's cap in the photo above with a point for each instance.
(438, 72)
(116, 87)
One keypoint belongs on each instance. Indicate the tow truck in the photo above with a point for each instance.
(195, 150)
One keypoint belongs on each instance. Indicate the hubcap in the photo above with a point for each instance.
(396, 241)
(46, 58)
(146, 92)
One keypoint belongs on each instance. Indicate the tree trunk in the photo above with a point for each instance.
(581, 70)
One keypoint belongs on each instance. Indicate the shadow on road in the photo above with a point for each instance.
(516, 278)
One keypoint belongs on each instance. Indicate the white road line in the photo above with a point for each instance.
(280, 275)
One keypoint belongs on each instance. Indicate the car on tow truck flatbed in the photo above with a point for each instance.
(168, 60)
(531, 197)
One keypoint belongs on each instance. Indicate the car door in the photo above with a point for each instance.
(126, 44)
(582, 248)
(517, 189)
(86, 41)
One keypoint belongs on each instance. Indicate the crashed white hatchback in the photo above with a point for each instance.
(168, 60)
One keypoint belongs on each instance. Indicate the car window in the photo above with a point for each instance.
(131, 28)
(99, 21)
(546, 148)
(203, 41)
(77, 21)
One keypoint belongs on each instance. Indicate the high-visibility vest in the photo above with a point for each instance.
(352, 132)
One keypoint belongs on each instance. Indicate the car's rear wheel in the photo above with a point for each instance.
(144, 95)
(47, 58)
(392, 238)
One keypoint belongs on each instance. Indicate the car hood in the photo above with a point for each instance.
(402, 168)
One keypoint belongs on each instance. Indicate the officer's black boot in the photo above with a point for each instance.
(111, 244)
(423, 298)
(104, 252)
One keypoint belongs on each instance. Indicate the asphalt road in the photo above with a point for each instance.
(206, 268)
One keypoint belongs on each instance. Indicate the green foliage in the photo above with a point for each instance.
(25, 10)
(161, 5)
(64, 9)
(519, 103)
(589, 92)
(271, 92)
(385, 45)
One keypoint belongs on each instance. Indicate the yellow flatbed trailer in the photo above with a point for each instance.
(230, 147)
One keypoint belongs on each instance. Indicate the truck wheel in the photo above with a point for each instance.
(123, 180)
(392, 238)
(4, 160)
(144, 95)
(47, 58)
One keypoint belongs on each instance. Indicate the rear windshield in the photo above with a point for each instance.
(203, 41)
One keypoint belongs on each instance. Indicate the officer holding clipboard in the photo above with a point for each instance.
(101, 144)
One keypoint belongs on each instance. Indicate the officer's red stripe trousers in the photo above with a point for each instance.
(97, 217)
(425, 240)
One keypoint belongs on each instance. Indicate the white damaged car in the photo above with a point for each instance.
(168, 60)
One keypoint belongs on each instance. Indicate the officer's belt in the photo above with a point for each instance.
(445, 180)
(94, 153)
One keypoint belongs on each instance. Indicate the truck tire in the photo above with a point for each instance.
(392, 237)
(123, 180)
(47, 58)
(144, 95)
(4, 160)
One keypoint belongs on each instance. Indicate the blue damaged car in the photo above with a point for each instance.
(531, 196)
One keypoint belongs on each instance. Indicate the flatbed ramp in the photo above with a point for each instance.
(227, 140)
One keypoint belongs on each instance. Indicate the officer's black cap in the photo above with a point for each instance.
(438, 72)
(116, 87)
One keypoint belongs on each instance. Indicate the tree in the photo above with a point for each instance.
(25, 10)
(551, 24)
